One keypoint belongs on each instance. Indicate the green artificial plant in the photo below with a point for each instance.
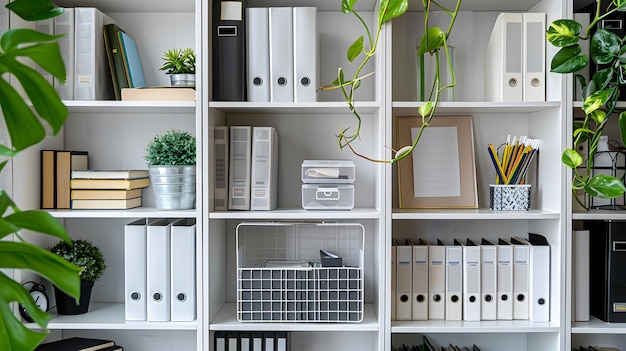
(434, 42)
(600, 93)
(85, 255)
(25, 120)
(172, 148)
(179, 61)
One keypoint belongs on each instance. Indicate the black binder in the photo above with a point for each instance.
(229, 54)
(606, 267)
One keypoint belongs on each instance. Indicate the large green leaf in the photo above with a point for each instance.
(34, 10)
(432, 40)
(568, 59)
(571, 158)
(22, 255)
(13, 334)
(38, 221)
(563, 33)
(596, 100)
(603, 78)
(605, 187)
(390, 9)
(24, 128)
(604, 46)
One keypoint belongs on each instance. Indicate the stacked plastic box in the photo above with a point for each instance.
(328, 184)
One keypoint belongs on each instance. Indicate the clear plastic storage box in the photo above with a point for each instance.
(327, 171)
(280, 277)
(327, 196)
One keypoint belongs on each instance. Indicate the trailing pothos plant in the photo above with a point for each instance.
(25, 121)
(600, 93)
(434, 42)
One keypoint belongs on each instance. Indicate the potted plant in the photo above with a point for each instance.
(171, 159)
(26, 127)
(89, 258)
(180, 65)
(600, 94)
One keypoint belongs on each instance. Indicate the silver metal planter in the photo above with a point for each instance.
(187, 79)
(174, 187)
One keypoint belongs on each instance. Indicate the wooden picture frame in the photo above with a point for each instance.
(445, 155)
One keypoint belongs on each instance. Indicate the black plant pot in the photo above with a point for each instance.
(67, 304)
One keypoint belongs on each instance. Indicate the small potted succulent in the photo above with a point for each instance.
(171, 159)
(87, 256)
(180, 65)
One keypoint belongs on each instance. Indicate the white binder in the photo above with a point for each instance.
(135, 296)
(404, 273)
(454, 282)
(394, 247)
(221, 146)
(534, 53)
(488, 277)
(264, 173)
(281, 54)
(305, 48)
(539, 290)
(471, 281)
(258, 57)
(521, 278)
(64, 24)
(239, 168)
(436, 281)
(503, 60)
(92, 76)
(504, 305)
(580, 273)
(183, 270)
(419, 302)
(158, 270)
(47, 27)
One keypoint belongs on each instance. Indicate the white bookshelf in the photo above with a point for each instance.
(115, 134)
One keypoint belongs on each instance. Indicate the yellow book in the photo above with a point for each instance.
(126, 184)
(159, 94)
(100, 204)
(113, 194)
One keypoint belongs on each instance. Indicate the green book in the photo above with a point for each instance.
(116, 60)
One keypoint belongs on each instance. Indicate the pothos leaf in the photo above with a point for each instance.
(605, 187)
(571, 158)
(563, 33)
(355, 49)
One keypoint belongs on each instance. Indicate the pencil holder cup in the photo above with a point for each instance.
(509, 197)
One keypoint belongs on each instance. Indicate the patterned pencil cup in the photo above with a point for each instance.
(509, 197)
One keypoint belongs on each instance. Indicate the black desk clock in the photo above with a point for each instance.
(38, 293)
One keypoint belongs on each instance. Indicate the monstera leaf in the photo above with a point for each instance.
(27, 119)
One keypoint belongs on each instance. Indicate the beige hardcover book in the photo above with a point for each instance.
(159, 94)
(100, 204)
(114, 194)
(126, 184)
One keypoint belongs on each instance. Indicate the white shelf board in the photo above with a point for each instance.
(442, 326)
(480, 213)
(284, 214)
(596, 326)
(226, 319)
(322, 5)
(131, 6)
(600, 215)
(293, 107)
(470, 107)
(115, 107)
(480, 5)
(130, 213)
(110, 316)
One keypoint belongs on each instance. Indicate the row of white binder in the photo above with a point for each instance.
(160, 270)
(282, 51)
(471, 281)
(83, 51)
(515, 59)
(246, 168)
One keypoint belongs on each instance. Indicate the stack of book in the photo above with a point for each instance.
(56, 168)
(107, 189)
(80, 344)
